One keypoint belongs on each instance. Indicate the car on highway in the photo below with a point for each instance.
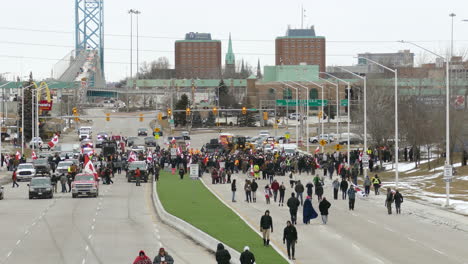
(352, 141)
(327, 137)
(62, 167)
(40, 187)
(131, 141)
(85, 135)
(132, 166)
(151, 142)
(138, 149)
(36, 142)
(101, 136)
(142, 132)
(42, 167)
(25, 172)
(85, 184)
(185, 135)
(264, 133)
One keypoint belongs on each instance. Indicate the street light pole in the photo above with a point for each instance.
(395, 71)
(337, 104)
(307, 113)
(137, 13)
(364, 79)
(322, 123)
(297, 109)
(447, 116)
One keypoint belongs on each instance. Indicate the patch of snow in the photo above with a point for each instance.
(464, 178)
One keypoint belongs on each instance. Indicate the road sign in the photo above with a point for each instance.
(173, 152)
(157, 130)
(323, 142)
(344, 102)
(287, 135)
(156, 136)
(194, 171)
(365, 158)
(253, 109)
(338, 147)
(448, 172)
(302, 102)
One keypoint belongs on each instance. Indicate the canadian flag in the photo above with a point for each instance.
(33, 155)
(173, 140)
(149, 158)
(18, 155)
(187, 144)
(53, 141)
(317, 150)
(132, 157)
(360, 156)
(89, 168)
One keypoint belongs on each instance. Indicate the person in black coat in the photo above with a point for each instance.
(247, 257)
(222, 255)
(323, 208)
(266, 223)
(233, 189)
(319, 191)
(344, 188)
(290, 238)
(398, 198)
(293, 203)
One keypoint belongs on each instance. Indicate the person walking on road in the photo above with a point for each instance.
(233, 189)
(299, 191)
(63, 182)
(14, 178)
(309, 187)
(323, 207)
(344, 188)
(222, 255)
(351, 197)
(367, 185)
(290, 238)
(248, 191)
(319, 191)
(181, 173)
(292, 179)
(389, 200)
(398, 201)
(266, 224)
(142, 258)
(254, 188)
(282, 191)
(275, 187)
(247, 257)
(293, 204)
(267, 192)
(308, 211)
(137, 176)
(163, 258)
(336, 188)
(376, 182)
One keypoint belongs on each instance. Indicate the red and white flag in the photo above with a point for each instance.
(89, 168)
(18, 155)
(132, 157)
(33, 155)
(317, 150)
(173, 140)
(187, 144)
(149, 158)
(54, 141)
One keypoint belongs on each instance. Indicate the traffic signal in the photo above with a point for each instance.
(244, 110)
(265, 115)
(160, 116)
(277, 121)
(215, 110)
(107, 117)
(141, 117)
(187, 111)
(75, 111)
(169, 112)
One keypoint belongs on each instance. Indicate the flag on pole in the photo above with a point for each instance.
(89, 168)
(173, 140)
(18, 155)
(33, 155)
(132, 157)
(149, 157)
(53, 141)
(317, 150)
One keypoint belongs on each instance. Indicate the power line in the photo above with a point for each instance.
(246, 40)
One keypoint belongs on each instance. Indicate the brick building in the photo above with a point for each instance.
(198, 56)
(301, 46)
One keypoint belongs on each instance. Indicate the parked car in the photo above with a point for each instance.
(352, 141)
(25, 172)
(142, 132)
(327, 137)
(40, 187)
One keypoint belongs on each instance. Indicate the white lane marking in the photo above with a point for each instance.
(356, 247)
(90, 236)
(11, 252)
(92, 227)
(412, 239)
(438, 251)
(379, 260)
(156, 230)
(353, 214)
(18, 242)
(159, 237)
(372, 222)
(84, 261)
(26, 232)
(160, 244)
(389, 229)
(87, 248)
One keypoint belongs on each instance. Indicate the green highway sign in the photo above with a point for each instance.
(253, 109)
(312, 102)
(344, 102)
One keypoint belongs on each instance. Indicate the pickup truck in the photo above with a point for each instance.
(85, 184)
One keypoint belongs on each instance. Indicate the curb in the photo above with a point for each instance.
(202, 238)
(277, 249)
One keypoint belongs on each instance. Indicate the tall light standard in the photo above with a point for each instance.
(337, 104)
(307, 113)
(322, 123)
(349, 110)
(365, 157)
(297, 108)
(2, 124)
(137, 13)
(131, 12)
(395, 71)
(448, 171)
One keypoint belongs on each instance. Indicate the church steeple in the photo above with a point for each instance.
(230, 58)
(259, 71)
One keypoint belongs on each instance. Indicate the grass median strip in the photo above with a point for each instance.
(191, 201)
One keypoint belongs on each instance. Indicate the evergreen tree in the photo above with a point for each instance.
(226, 98)
(211, 121)
(180, 118)
(197, 121)
(27, 129)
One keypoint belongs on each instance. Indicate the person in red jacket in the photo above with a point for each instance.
(275, 187)
(142, 259)
(137, 176)
(14, 179)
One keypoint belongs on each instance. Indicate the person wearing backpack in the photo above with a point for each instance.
(398, 198)
(389, 200)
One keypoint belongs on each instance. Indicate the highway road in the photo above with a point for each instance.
(109, 229)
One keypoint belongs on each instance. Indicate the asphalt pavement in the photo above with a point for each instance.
(112, 228)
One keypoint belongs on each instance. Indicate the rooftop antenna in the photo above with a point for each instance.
(303, 15)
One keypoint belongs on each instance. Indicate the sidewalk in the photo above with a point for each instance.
(366, 235)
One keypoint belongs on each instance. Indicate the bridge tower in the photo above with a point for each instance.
(89, 28)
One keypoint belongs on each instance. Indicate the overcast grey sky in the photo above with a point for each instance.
(350, 27)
